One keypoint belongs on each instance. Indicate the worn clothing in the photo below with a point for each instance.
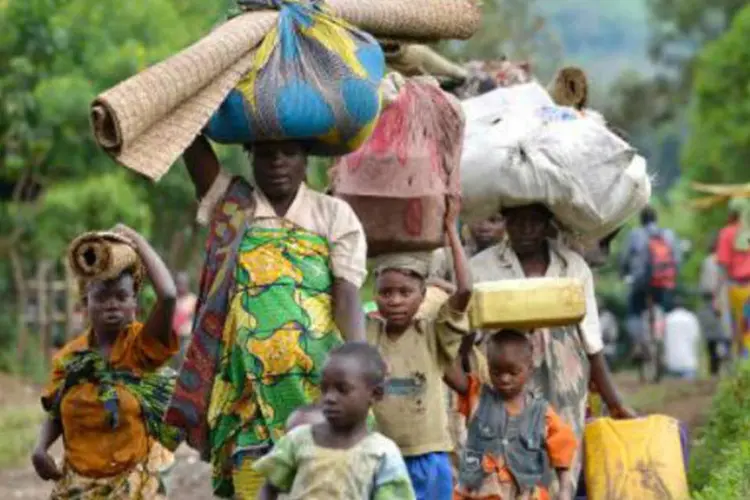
(413, 411)
(145, 481)
(264, 319)
(682, 335)
(501, 263)
(739, 302)
(324, 215)
(371, 470)
(430, 476)
(111, 410)
(735, 262)
(279, 331)
(507, 455)
(712, 281)
(561, 364)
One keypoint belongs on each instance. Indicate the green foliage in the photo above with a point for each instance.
(19, 427)
(721, 456)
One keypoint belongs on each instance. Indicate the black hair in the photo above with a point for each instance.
(509, 336)
(372, 363)
(648, 215)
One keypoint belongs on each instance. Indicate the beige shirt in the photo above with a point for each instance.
(501, 263)
(413, 412)
(321, 214)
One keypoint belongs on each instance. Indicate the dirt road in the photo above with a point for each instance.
(191, 479)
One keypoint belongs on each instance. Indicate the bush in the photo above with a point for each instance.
(721, 456)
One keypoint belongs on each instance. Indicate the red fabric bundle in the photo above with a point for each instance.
(398, 180)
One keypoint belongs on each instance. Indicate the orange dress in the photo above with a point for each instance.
(561, 446)
(92, 447)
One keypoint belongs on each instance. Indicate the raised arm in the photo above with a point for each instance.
(159, 323)
(459, 301)
(202, 165)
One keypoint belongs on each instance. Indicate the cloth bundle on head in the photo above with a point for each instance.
(414, 262)
(103, 255)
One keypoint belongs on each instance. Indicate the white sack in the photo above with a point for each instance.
(525, 151)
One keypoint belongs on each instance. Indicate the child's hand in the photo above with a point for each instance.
(45, 465)
(452, 211)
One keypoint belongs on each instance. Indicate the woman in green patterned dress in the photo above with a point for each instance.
(280, 289)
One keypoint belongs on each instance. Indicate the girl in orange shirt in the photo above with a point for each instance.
(106, 397)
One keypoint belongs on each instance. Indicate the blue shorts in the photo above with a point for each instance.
(431, 476)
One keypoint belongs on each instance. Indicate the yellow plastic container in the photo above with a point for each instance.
(527, 303)
(638, 459)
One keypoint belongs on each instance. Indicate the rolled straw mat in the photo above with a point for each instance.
(147, 121)
(413, 60)
(103, 255)
(570, 88)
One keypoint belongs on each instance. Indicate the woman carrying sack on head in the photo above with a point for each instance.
(279, 290)
(106, 397)
(566, 359)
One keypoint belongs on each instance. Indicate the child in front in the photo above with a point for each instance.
(339, 458)
(418, 349)
(512, 435)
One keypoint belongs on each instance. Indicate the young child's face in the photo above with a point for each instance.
(398, 296)
(510, 368)
(346, 392)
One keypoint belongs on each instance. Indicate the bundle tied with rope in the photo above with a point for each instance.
(103, 255)
(147, 121)
(398, 181)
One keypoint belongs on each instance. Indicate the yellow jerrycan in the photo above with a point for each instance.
(639, 459)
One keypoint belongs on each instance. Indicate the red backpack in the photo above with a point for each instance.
(662, 263)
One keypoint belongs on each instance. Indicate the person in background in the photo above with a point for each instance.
(682, 334)
(502, 464)
(567, 358)
(279, 290)
(182, 322)
(733, 255)
(610, 330)
(649, 263)
(106, 395)
(418, 350)
(338, 457)
(482, 235)
(718, 341)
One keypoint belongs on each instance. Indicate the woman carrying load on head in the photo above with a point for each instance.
(106, 397)
(279, 290)
(565, 359)
(733, 255)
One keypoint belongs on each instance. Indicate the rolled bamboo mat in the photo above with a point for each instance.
(147, 121)
(570, 88)
(103, 255)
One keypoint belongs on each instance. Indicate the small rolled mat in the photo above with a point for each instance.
(570, 88)
(103, 255)
(147, 121)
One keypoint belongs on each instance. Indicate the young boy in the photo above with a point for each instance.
(418, 349)
(512, 434)
(338, 458)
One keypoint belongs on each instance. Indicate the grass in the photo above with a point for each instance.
(19, 427)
